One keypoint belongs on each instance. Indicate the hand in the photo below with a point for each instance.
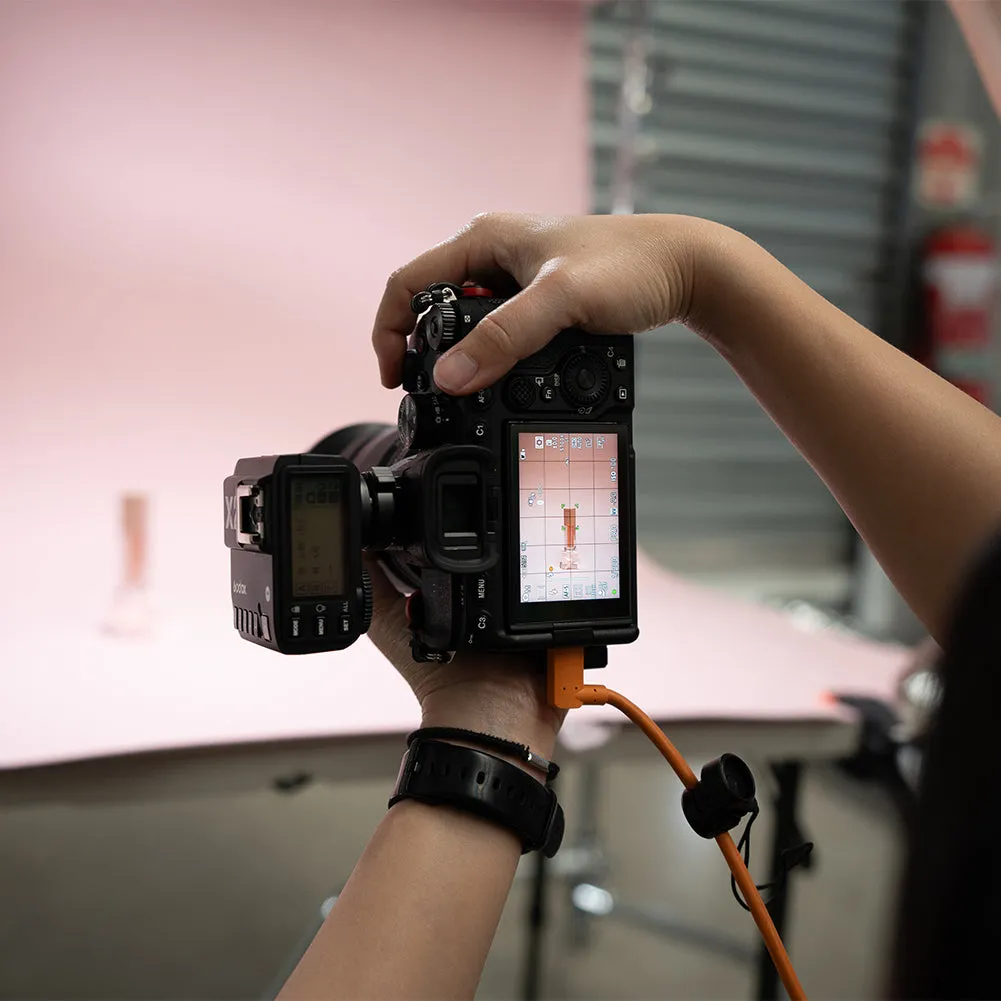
(605, 274)
(502, 694)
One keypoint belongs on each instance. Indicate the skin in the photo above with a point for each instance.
(914, 462)
(980, 23)
(418, 915)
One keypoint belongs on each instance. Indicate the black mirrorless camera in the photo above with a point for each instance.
(507, 516)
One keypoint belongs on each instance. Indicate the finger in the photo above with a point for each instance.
(476, 251)
(389, 630)
(512, 331)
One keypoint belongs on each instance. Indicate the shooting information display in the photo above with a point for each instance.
(568, 485)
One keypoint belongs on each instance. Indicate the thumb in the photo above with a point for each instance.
(518, 328)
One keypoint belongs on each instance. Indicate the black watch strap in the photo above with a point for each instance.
(449, 775)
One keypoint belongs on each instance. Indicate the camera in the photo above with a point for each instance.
(507, 516)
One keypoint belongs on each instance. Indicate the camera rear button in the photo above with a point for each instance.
(520, 394)
(320, 625)
(345, 624)
(295, 628)
(481, 400)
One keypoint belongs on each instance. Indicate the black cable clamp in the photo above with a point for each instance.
(721, 798)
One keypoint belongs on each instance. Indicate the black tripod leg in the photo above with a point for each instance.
(531, 987)
(786, 834)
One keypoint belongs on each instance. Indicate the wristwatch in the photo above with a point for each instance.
(443, 774)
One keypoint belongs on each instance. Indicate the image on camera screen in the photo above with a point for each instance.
(568, 486)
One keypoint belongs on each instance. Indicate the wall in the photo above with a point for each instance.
(200, 203)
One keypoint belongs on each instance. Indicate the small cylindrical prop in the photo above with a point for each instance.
(570, 524)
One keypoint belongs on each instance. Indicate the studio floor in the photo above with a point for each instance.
(206, 898)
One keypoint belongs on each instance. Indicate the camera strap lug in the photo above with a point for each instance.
(423, 654)
(434, 295)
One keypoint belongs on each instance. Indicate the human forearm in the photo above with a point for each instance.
(418, 914)
(914, 462)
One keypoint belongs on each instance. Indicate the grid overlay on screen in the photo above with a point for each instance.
(568, 486)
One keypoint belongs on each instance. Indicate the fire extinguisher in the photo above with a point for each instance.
(960, 279)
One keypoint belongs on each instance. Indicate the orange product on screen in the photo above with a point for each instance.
(570, 524)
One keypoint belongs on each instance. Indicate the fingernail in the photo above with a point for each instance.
(454, 370)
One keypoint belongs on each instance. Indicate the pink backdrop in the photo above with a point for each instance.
(199, 204)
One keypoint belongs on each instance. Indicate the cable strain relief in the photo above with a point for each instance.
(565, 677)
(593, 695)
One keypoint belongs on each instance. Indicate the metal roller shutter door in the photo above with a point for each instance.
(784, 120)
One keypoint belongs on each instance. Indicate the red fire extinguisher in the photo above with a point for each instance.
(960, 275)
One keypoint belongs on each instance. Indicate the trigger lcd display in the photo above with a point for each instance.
(317, 525)
(568, 492)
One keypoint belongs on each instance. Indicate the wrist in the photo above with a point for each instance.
(687, 248)
(515, 710)
(729, 271)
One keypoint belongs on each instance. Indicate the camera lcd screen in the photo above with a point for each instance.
(568, 490)
(317, 536)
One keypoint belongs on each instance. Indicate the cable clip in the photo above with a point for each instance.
(721, 798)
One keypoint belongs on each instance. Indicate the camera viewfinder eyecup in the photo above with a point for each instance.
(439, 509)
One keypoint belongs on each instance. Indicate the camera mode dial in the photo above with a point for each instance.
(585, 379)
(424, 421)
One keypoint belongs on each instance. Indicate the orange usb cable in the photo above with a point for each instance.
(565, 689)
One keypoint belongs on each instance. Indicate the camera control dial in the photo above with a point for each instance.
(439, 326)
(585, 379)
(424, 421)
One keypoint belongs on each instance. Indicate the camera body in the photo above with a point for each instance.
(560, 487)
(507, 516)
